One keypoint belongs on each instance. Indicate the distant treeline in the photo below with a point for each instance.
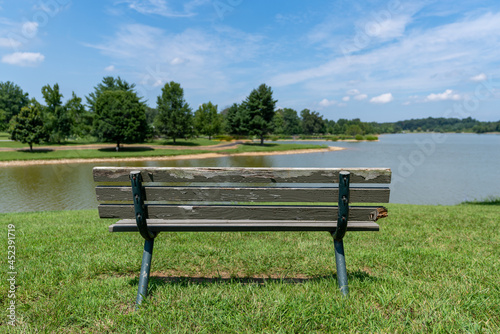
(114, 112)
(441, 124)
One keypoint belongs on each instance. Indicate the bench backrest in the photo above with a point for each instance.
(288, 194)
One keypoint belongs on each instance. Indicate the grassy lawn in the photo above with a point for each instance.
(125, 152)
(429, 269)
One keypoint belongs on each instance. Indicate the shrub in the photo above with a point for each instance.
(358, 137)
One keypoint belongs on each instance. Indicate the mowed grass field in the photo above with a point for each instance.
(429, 269)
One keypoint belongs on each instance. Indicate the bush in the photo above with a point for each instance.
(370, 137)
(358, 137)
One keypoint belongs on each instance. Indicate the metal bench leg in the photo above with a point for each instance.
(341, 268)
(145, 268)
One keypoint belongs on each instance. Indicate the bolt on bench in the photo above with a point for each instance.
(150, 200)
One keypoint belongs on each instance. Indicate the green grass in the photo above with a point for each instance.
(91, 141)
(429, 269)
(125, 152)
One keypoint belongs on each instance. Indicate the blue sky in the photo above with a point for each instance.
(374, 60)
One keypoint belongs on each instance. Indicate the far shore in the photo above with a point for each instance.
(164, 158)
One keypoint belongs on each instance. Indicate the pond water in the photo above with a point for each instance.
(432, 169)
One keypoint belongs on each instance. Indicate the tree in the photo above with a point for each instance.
(80, 118)
(175, 118)
(56, 118)
(312, 122)
(260, 108)
(291, 122)
(236, 120)
(278, 122)
(27, 126)
(120, 117)
(12, 100)
(108, 83)
(207, 121)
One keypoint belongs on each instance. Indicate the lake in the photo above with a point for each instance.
(434, 169)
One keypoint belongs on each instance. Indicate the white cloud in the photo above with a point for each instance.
(9, 43)
(446, 95)
(326, 103)
(177, 61)
(479, 77)
(23, 58)
(346, 98)
(164, 8)
(110, 68)
(389, 28)
(360, 97)
(160, 53)
(353, 92)
(421, 59)
(384, 98)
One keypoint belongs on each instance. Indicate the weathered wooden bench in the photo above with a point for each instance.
(164, 199)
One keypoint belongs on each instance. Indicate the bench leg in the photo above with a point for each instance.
(341, 268)
(145, 268)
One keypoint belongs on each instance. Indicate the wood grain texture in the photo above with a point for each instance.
(154, 225)
(239, 212)
(242, 175)
(226, 194)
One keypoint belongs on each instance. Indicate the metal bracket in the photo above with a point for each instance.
(141, 214)
(343, 207)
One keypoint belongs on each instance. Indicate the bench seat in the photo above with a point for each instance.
(211, 225)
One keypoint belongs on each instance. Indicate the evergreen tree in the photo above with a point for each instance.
(236, 120)
(120, 117)
(175, 118)
(27, 127)
(108, 83)
(259, 106)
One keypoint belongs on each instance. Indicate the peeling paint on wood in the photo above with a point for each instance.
(243, 175)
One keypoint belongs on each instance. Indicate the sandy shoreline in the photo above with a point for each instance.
(165, 158)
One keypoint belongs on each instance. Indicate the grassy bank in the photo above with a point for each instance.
(144, 151)
(429, 269)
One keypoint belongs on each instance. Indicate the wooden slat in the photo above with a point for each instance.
(225, 194)
(154, 225)
(239, 212)
(242, 175)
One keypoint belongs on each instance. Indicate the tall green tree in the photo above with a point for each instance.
(120, 117)
(207, 121)
(27, 126)
(312, 122)
(12, 100)
(56, 119)
(260, 108)
(80, 118)
(175, 118)
(236, 120)
(108, 83)
(278, 122)
(291, 122)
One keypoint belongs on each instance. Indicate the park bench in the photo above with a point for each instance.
(150, 200)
